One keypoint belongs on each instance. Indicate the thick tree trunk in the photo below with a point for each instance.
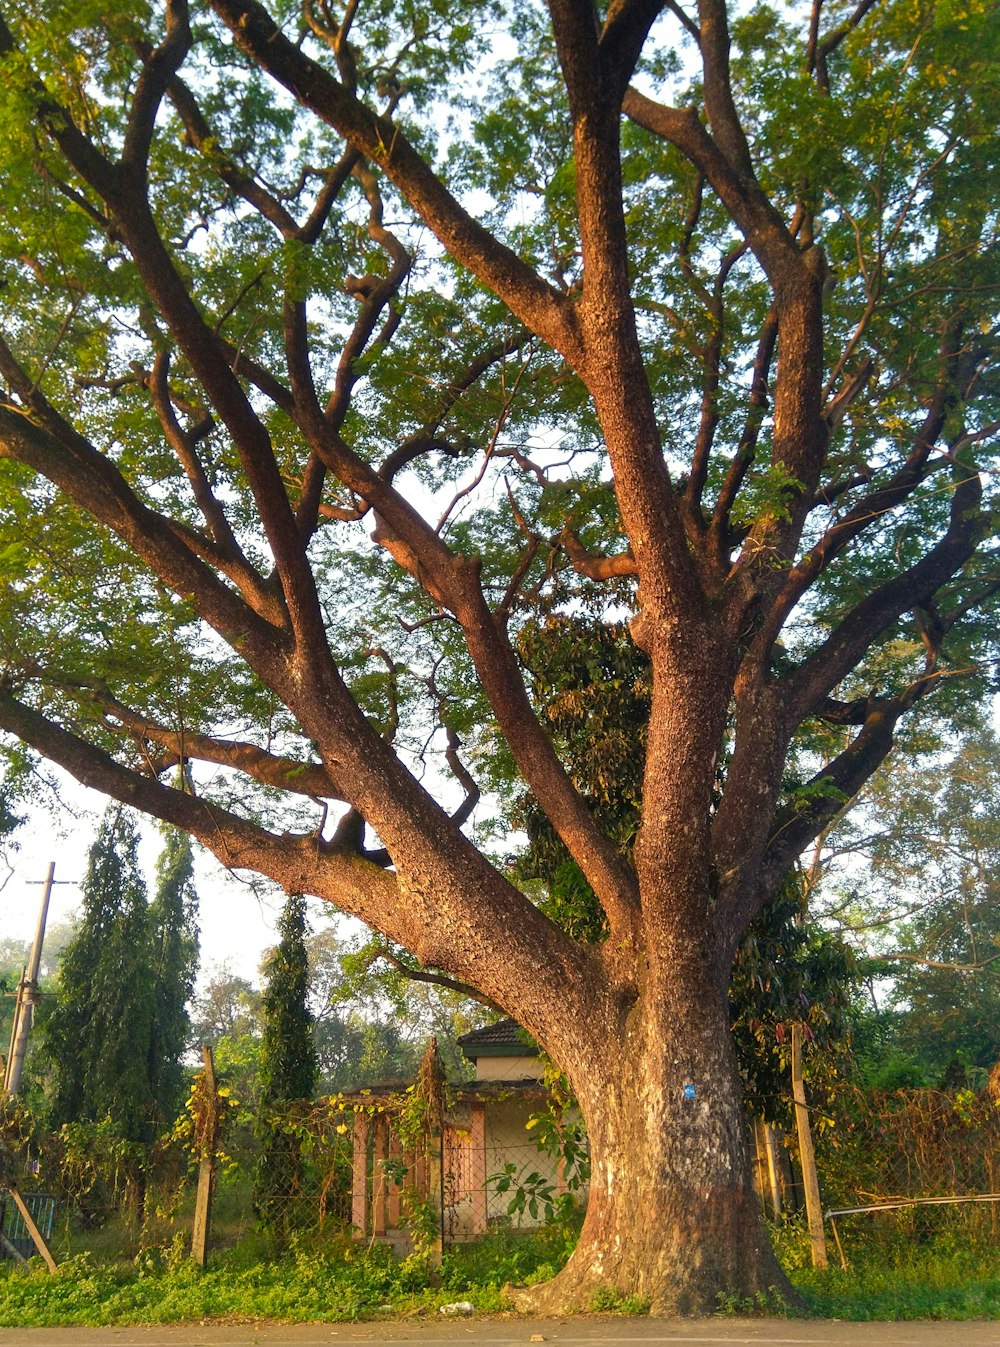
(672, 1218)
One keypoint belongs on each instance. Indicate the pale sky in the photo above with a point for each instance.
(237, 923)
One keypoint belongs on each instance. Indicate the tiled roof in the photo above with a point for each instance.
(505, 1038)
(389, 1096)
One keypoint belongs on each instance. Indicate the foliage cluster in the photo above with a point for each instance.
(119, 1027)
(345, 1282)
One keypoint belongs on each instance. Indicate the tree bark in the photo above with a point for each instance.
(672, 1219)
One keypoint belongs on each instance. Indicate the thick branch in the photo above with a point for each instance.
(759, 222)
(870, 510)
(593, 566)
(832, 788)
(159, 67)
(288, 774)
(71, 463)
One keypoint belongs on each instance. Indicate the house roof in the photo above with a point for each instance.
(506, 1038)
(387, 1097)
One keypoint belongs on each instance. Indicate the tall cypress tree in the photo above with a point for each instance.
(99, 1033)
(288, 1060)
(288, 1056)
(173, 916)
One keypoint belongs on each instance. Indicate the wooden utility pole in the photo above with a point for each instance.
(807, 1157)
(27, 994)
(206, 1165)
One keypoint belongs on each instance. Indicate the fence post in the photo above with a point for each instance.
(430, 1088)
(772, 1169)
(380, 1178)
(201, 1229)
(807, 1157)
(31, 1227)
(359, 1176)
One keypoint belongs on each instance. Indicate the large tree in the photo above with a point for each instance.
(336, 343)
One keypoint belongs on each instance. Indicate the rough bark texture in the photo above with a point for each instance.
(671, 1217)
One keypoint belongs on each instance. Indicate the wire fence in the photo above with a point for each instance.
(365, 1170)
(887, 1149)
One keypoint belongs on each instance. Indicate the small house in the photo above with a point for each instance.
(471, 1164)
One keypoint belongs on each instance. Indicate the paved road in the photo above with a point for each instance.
(588, 1332)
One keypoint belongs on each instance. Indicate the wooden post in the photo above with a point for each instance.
(359, 1177)
(435, 1189)
(477, 1184)
(430, 1088)
(12, 1250)
(33, 1230)
(202, 1226)
(27, 993)
(772, 1169)
(807, 1157)
(395, 1212)
(840, 1247)
(380, 1179)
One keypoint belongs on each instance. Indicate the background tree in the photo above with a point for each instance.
(914, 884)
(375, 1015)
(287, 1059)
(294, 443)
(98, 1035)
(226, 1006)
(173, 920)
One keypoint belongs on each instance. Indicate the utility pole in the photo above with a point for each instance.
(27, 994)
(810, 1179)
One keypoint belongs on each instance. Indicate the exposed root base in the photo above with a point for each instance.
(666, 1296)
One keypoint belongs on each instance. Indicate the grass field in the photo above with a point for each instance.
(344, 1280)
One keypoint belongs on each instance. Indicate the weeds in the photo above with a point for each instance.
(609, 1300)
(339, 1279)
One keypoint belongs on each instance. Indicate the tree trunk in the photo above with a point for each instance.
(672, 1219)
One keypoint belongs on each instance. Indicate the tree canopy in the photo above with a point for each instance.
(341, 348)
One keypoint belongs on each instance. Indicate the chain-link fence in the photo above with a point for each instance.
(378, 1166)
(907, 1145)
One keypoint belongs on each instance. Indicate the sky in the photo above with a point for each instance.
(237, 922)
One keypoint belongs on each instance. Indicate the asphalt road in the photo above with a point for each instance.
(584, 1332)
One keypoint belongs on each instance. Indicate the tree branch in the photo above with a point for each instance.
(54, 449)
(159, 67)
(287, 774)
(833, 660)
(436, 979)
(535, 302)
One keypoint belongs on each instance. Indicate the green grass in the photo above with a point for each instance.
(342, 1280)
(900, 1267)
(920, 1285)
